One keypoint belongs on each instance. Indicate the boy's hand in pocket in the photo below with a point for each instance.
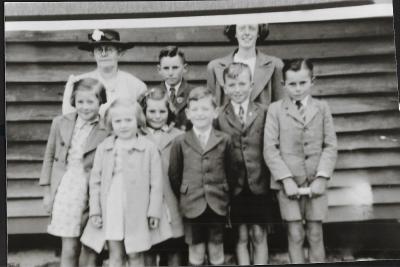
(318, 186)
(153, 223)
(291, 188)
(46, 199)
(96, 221)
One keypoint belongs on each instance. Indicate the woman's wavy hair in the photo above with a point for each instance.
(263, 32)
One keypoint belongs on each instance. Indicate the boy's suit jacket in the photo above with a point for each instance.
(200, 178)
(296, 148)
(267, 78)
(58, 144)
(181, 122)
(247, 143)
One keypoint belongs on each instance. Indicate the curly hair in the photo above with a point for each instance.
(157, 94)
(230, 32)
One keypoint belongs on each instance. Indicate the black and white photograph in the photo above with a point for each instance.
(198, 133)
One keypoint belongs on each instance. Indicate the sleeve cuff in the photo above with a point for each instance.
(323, 175)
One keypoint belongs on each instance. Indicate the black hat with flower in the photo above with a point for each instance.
(104, 37)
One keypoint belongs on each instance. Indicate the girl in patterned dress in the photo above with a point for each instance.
(67, 163)
(126, 189)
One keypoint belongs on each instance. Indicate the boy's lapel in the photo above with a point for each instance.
(310, 110)
(291, 110)
(252, 112)
(231, 117)
(67, 126)
(262, 74)
(214, 139)
(181, 96)
(193, 142)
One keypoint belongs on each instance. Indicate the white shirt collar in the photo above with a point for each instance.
(176, 87)
(244, 105)
(304, 101)
(80, 122)
(206, 132)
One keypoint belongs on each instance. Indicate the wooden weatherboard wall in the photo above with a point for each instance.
(355, 69)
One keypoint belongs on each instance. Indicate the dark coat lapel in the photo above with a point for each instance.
(252, 113)
(214, 139)
(192, 141)
(262, 74)
(182, 95)
(67, 125)
(231, 117)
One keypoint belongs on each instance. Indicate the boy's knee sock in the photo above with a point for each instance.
(216, 254)
(196, 254)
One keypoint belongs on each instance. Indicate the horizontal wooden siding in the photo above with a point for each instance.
(355, 69)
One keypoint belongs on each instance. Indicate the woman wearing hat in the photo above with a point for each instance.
(266, 72)
(106, 48)
(266, 69)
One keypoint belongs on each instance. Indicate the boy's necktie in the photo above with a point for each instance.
(301, 109)
(172, 95)
(241, 115)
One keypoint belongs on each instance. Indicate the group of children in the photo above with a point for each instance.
(164, 174)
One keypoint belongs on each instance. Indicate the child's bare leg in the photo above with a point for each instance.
(242, 251)
(296, 241)
(88, 257)
(174, 259)
(316, 240)
(136, 260)
(258, 235)
(216, 246)
(197, 253)
(70, 252)
(117, 253)
(150, 258)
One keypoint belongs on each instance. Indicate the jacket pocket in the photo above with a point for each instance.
(184, 189)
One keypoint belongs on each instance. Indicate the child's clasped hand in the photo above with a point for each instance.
(96, 221)
(291, 188)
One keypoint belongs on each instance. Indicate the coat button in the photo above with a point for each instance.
(305, 143)
(55, 159)
(306, 157)
(62, 143)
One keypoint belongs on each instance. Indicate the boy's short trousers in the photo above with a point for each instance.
(208, 227)
(247, 208)
(171, 245)
(305, 208)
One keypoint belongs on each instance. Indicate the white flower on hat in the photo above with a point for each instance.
(96, 35)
